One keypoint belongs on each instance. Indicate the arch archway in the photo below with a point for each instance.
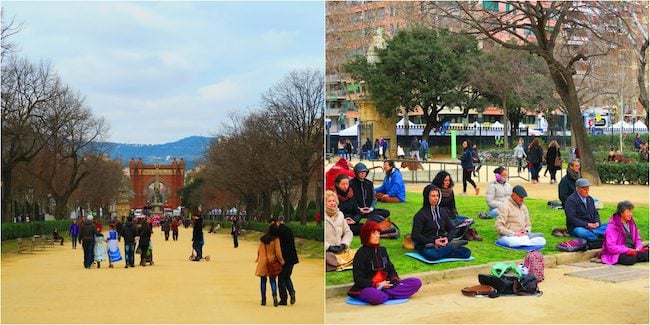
(143, 178)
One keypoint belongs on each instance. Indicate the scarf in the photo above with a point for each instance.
(573, 174)
(331, 212)
(344, 196)
(446, 192)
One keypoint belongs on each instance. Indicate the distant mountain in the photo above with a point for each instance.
(190, 148)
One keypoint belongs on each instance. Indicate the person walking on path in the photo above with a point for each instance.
(99, 253)
(520, 154)
(424, 149)
(268, 252)
(167, 226)
(467, 163)
(384, 147)
(290, 255)
(87, 234)
(74, 233)
(415, 149)
(175, 225)
(197, 237)
(235, 230)
(535, 154)
(553, 159)
(113, 248)
(128, 232)
(145, 240)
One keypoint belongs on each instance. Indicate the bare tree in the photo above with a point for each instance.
(28, 90)
(296, 105)
(9, 28)
(548, 29)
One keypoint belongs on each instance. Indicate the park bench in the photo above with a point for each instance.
(24, 246)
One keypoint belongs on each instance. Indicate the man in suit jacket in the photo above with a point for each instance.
(288, 246)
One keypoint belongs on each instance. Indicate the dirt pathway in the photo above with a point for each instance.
(566, 300)
(52, 286)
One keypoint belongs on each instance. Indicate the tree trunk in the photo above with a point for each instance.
(565, 87)
(286, 204)
(643, 94)
(7, 212)
(302, 205)
(266, 205)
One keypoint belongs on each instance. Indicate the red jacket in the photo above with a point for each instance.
(341, 167)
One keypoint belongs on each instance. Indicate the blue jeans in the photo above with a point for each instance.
(274, 289)
(198, 247)
(434, 254)
(74, 241)
(493, 213)
(129, 251)
(587, 234)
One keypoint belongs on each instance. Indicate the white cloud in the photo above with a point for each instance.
(222, 91)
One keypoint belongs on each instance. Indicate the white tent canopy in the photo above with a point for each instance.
(640, 125)
(352, 131)
(622, 124)
(497, 125)
(401, 123)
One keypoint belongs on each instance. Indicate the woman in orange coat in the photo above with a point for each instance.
(269, 252)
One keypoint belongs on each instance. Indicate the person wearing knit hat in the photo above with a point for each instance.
(375, 278)
(432, 230)
(513, 222)
(87, 232)
(364, 194)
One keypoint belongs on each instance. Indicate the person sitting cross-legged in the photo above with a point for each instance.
(582, 218)
(432, 231)
(513, 222)
(392, 190)
(375, 278)
(498, 192)
(623, 243)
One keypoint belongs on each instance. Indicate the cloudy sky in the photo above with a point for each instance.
(162, 71)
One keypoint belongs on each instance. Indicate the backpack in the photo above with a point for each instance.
(523, 285)
(534, 261)
(573, 245)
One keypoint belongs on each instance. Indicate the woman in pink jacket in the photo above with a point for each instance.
(622, 240)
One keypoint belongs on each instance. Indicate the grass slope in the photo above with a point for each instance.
(542, 218)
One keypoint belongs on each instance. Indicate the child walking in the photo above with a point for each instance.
(100, 250)
(113, 248)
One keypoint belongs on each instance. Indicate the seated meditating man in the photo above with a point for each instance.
(582, 218)
(513, 222)
(432, 231)
(392, 190)
(363, 192)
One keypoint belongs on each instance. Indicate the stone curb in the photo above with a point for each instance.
(433, 276)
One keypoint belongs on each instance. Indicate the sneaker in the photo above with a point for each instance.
(483, 215)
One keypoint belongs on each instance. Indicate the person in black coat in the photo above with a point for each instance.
(128, 233)
(432, 231)
(145, 239)
(197, 237)
(364, 195)
(347, 203)
(567, 184)
(87, 233)
(535, 155)
(375, 278)
(288, 247)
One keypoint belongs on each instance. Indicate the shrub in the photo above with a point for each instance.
(612, 172)
(309, 231)
(16, 230)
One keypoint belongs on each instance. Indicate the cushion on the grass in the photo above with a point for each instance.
(354, 301)
(522, 248)
(419, 257)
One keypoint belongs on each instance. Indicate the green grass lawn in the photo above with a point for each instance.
(542, 218)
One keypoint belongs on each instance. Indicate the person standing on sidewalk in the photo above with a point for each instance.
(424, 149)
(467, 163)
(128, 233)
(520, 154)
(288, 247)
(175, 225)
(74, 233)
(87, 234)
(535, 155)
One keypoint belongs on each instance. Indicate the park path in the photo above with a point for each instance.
(51, 286)
(566, 300)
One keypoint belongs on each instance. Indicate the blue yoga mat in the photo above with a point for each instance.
(354, 301)
(522, 248)
(419, 257)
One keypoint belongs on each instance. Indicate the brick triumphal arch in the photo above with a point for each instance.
(144, 177)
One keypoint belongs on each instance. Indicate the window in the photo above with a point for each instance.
(491, 6)
(380, 13)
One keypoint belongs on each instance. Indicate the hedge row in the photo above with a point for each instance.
(22, 229)
(309, 231)
(619, 173)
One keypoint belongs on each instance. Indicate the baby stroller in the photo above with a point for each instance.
(148, 257)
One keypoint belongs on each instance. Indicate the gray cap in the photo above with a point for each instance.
(582, 182)
(519, 190)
